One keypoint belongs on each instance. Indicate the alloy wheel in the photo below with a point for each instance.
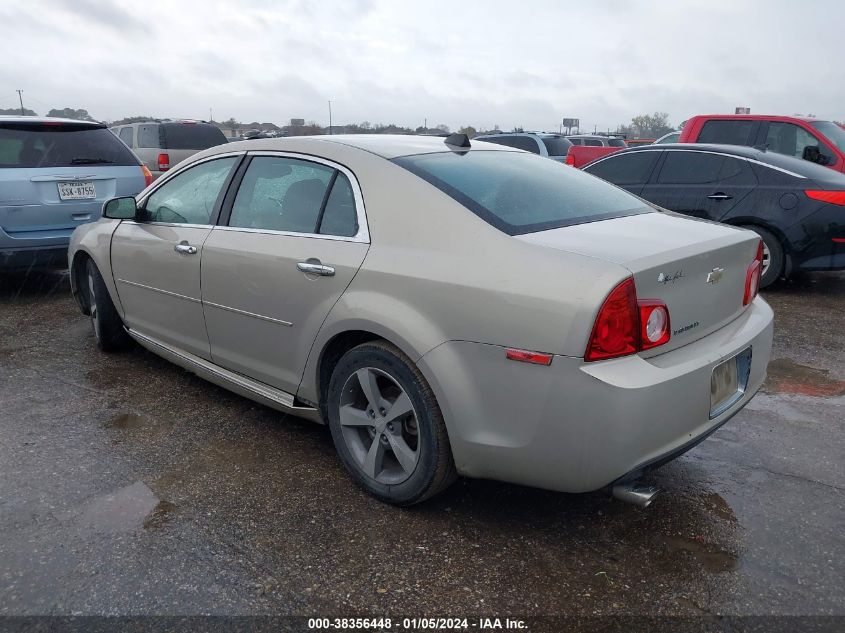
(92, 299)
(767, 259)
(379, 426)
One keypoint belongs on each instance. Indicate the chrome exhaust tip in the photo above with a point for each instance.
(638, 494)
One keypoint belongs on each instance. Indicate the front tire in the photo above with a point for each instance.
(108, 326)
(387, 427)
(773, 257)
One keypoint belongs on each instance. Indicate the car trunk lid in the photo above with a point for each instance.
(697, 268)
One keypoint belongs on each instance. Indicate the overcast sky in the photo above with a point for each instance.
(484, 62)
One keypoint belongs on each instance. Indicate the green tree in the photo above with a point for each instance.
(469, 131)
(133, 119)
(70, 113)
(648, 125)
(17, 111)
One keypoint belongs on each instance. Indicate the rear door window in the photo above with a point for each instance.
(632, 168)
(687, 168)
(617, 142)
(518, 142)
(148, 136)
(728, 132)
(191, 136)
(36, 145)
(592, 142)
(281, 194)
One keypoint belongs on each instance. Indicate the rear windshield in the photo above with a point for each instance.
(520, 193)
(556, 146)
(190, 136)
(34, 145)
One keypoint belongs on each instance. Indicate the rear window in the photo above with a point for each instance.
(518, 193)
(616, 142)
(727, 132)
(556, 146)
(35, 145)
(518, 142)
(190, 136)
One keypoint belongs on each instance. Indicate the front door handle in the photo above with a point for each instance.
(315, 268)
(185, 249)
(719, 196)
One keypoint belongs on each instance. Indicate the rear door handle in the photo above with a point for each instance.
(185, 248)
(719, 196)
(312, 268)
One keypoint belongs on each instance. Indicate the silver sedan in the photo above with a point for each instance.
(447, 307)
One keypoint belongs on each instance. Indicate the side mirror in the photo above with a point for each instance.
(813, 154)
(120, 208)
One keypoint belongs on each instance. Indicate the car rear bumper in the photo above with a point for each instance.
(38, 249)
(574, 426)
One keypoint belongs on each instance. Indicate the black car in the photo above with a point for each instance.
(796, 207)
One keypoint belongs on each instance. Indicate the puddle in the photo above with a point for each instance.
(125, 421)
(712, 559)
(139, 425)
(124, 510)
(787, 376)
(716, 504)
(159, 516)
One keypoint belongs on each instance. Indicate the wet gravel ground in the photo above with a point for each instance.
(129, 486)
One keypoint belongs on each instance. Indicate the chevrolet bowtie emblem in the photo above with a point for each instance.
(715, 275)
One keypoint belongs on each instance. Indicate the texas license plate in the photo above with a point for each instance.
(80, 190)
(724, 384)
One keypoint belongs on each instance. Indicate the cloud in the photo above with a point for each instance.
(476, 62)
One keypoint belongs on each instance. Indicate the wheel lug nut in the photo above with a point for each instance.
(390, 426)
(382, 411)
(371, 413)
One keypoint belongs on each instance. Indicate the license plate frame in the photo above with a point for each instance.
(77, 190)
(728, 382)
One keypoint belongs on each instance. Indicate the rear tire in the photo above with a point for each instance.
(399, 458)
(108, 326)
(773, 257)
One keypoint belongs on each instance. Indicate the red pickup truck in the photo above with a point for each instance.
(588, 147)
(815, 140)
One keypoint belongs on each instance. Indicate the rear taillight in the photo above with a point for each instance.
(163, 162)
(752, 276)
(570, 160)
(148, 175)
(833, 197)
(626, 326)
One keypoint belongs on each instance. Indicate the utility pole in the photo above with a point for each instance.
(425, 124)
(210, 116)
(20, 98)
(330, 116)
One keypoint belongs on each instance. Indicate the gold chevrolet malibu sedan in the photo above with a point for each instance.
(448, 307)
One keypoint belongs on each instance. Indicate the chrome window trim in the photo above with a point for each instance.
(706, 151)
(363, 234)
(174, 224)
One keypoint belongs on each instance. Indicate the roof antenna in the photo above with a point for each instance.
(457, 140)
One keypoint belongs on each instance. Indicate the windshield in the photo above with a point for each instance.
(520, 193)
(36, 144)
(833, 132)
(191, 136)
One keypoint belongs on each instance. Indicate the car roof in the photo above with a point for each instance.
(616, 136)
(5, 118)
(756, 117)
(540, 134)
(385, 145)
(780, 161)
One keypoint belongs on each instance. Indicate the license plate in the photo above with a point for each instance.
(81, 190)
(724, 384)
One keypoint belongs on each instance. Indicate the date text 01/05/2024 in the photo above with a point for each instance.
(414, 624)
